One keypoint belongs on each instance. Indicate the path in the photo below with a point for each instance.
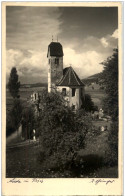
(23, 143)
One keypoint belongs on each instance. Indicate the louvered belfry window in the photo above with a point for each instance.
(57, 61)
(73, 92)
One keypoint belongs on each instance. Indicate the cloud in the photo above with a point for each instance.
(85, 58)
(29, 31)
(115, 34)
(31, 65)
(85, 64)
(104, 42)
(32, 27)
(13, 59)
(110, 41)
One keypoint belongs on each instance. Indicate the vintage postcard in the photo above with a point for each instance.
(62, 98)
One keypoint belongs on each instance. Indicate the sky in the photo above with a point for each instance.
(88, 36)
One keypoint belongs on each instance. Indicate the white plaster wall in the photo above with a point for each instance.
(67, 97)
(76, 100)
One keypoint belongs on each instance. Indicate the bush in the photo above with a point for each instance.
(14, 117)
(62, 131)
(93, 132)
(102, 88)
(28, 121)
(111, 157)
(87, 164)
(88, 104)
(41, 156)
(9, 126)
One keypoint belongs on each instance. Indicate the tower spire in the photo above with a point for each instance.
(52, 38)
(57, 38)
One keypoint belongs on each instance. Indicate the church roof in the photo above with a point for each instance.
(55, 49)
(70, 78)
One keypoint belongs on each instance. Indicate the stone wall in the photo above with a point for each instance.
(55, 72)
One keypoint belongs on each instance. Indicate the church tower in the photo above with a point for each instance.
(55, 64)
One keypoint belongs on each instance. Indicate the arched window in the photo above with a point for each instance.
(73, 92)
(64, 91)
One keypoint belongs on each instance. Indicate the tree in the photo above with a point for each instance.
(14, 117)
(13, 83)
(88, 104)
(28, 121)
(62, 131)
(110, 82)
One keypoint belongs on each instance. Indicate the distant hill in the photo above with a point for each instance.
(34, 85)
(96, 78)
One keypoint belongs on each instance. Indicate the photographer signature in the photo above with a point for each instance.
(98, 181)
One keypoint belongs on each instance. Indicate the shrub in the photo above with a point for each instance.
(102, 88)
(93, 132)
(111, 157)
(41, 156)
(9, 126)
(14, 117)
(62, 131)
(88, 104)
(28, 121)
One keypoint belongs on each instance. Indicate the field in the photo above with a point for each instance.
(25, 93)
(96, 94)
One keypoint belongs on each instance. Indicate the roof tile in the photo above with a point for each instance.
(70, 78)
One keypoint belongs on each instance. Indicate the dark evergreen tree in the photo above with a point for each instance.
(88, 104)
(14, 84)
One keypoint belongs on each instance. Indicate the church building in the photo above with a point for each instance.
(64, 80)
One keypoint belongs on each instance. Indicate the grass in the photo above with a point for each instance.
(99, 123)
(23, 162)
(96, 94)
